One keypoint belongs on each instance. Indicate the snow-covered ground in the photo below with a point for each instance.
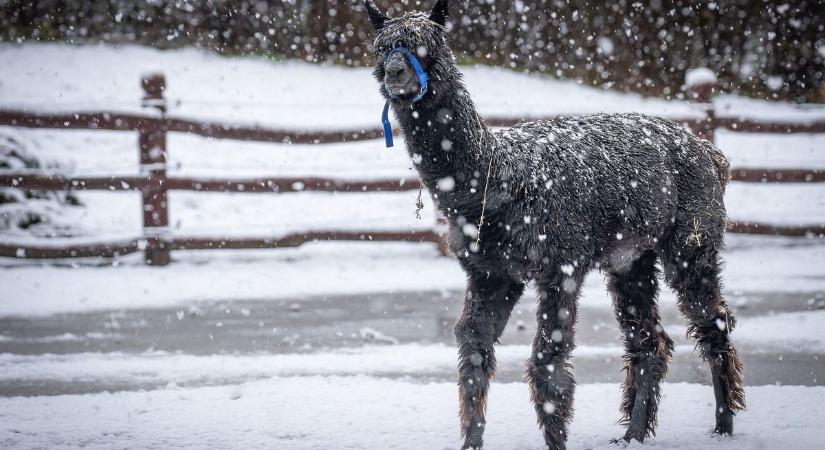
(348, 345)
(752, 265)
(363, 412)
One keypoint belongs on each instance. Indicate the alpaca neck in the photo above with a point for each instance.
(445, 137)
(449, 144)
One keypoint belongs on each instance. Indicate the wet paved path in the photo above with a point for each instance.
(325, 324)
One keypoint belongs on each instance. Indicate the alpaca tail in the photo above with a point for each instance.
(722, 165)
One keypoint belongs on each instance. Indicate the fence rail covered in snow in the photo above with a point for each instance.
(154, 184)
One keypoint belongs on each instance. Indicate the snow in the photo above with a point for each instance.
(256, 91)
(117, 215)
(98, 153)
(701, 75)
(242, 90)
(381, 356)
(293, 95)
(786, 203)
(289, 94)
(789, 332)
(753, 264)
(161, 368)
(380, 394)
(103, 153)
(777, 151)
(357, 413)
(315, 269)
(748, 108)
(217, 214)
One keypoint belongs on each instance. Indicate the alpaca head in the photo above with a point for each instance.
(423, 36)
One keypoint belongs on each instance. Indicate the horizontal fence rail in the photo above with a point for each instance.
(284, 185)
(136, 122)
(257, 185)
(111, 250)
(154, 182)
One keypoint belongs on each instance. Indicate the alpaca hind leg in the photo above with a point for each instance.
(696, 279)
(487, 306)
(648, 349)
(548, 371)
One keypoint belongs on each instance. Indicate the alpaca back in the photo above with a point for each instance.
(605, 176)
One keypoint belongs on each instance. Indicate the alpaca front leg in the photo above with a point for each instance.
(548, 371)
(647, 347)
(487, 307)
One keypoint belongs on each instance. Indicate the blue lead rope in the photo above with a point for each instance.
(385, 119)
(423, 80)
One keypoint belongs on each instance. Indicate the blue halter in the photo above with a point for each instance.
(423, 78)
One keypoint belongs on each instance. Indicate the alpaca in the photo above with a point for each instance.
(547, 201)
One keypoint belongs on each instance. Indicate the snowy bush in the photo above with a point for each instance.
(27, 211)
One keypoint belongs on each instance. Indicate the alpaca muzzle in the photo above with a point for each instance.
(397, 73)
(399, 77)
(396, 70)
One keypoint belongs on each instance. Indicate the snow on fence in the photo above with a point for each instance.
(154, 184)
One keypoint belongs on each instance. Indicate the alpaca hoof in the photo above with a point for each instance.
(471, 446)
(557, 446)
(724, 423)
(721, 430)
(637, 435)
(472, 442)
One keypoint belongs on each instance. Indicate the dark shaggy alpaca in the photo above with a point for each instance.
(547, 201)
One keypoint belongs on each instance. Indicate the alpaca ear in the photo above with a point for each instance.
(440, 12)
(376, 17)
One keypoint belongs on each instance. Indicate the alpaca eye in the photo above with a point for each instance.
(397, 44)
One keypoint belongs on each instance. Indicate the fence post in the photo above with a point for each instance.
(701, 85)
(152, 142)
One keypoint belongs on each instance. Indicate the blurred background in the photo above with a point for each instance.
(205, 243)
(769, 49)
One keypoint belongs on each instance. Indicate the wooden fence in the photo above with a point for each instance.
(154, 184)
